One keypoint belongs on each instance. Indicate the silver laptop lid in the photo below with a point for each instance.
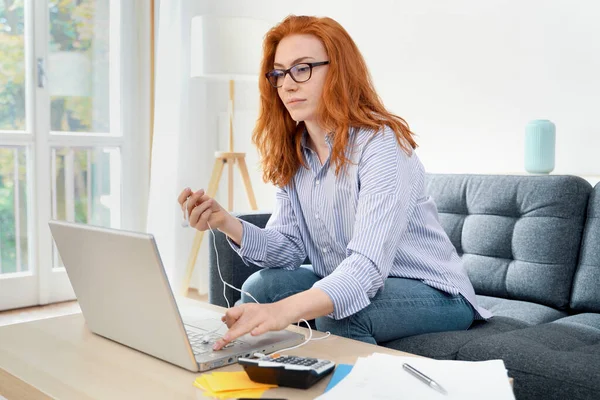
(124, 295)
(123, 291)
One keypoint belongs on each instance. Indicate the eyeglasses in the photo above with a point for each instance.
(299, 73)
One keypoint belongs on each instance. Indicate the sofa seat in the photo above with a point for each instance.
(530, 313)
(509, 315)
(445, 345)
(560, 359)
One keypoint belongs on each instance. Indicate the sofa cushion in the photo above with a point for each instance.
(557, 360)
(530, 313)
(586, 285)
(519, 236)
(583, 321)
(445, 345)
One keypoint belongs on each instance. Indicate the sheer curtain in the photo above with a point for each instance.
(189, 116)
(179, 154)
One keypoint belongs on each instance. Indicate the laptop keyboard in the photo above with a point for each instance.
(203, 343)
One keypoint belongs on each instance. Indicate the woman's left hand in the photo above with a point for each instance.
(252, 318)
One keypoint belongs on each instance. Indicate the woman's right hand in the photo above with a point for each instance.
(203, 210)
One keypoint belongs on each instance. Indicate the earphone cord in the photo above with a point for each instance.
(225, 284)
(186, 223)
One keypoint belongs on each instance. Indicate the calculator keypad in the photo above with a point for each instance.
(301, 361)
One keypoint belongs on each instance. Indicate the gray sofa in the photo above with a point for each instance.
(531, 247)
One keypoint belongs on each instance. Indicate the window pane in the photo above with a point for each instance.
(12, 65)
(13, 210)
(78, 74)
(86, 186)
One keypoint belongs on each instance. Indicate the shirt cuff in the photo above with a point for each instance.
(345, 291)
(254, 243)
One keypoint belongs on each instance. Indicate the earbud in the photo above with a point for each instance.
(186, 222)
(205, 339)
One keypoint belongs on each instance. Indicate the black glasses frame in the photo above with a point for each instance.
(269, 74)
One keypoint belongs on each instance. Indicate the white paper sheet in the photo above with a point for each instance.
(381, 377)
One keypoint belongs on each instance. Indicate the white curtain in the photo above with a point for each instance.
(186, 135)
(190, 124)
(170, 168)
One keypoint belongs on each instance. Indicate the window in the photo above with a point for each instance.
(64, 135)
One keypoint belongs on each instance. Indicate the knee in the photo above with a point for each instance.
(255, 285)
(270, 285)
(335, 327)
(354, 327)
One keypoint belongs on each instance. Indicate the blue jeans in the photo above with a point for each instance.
(405, 307)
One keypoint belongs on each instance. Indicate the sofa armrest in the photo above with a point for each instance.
(233, 269)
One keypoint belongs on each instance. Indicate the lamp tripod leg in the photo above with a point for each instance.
(230, 162)
(247, 183)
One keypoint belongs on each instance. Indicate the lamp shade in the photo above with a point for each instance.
(226, 47)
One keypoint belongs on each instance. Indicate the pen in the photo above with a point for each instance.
(424, 378)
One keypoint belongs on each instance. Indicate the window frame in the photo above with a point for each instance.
(129, 131)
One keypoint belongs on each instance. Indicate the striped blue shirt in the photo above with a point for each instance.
(372, 221)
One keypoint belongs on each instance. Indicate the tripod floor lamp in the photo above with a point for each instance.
(227, 49)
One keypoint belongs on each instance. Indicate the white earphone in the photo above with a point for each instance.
(185, 224)
(186, 220)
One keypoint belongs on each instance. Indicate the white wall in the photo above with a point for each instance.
(467, 75)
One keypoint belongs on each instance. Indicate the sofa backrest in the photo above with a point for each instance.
(519, 236)
(586, 284)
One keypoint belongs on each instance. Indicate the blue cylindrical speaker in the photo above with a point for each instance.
(540, 142)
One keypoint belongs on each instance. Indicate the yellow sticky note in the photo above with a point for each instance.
(232, 394)
(201, 383)
(227, 381)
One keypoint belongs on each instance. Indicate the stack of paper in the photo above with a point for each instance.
(381, 376)
(228, 385)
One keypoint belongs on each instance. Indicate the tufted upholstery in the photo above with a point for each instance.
(519, 236)
(557, 360)
(586, 286)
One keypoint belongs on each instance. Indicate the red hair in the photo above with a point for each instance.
(348, 100)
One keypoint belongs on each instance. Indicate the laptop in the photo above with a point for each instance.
(124, 295)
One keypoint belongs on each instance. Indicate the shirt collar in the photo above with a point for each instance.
(304, 139)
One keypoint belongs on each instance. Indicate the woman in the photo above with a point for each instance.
(350, 196)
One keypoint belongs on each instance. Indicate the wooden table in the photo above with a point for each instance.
(60, 358)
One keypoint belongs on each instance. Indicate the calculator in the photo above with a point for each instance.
(290, 371)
